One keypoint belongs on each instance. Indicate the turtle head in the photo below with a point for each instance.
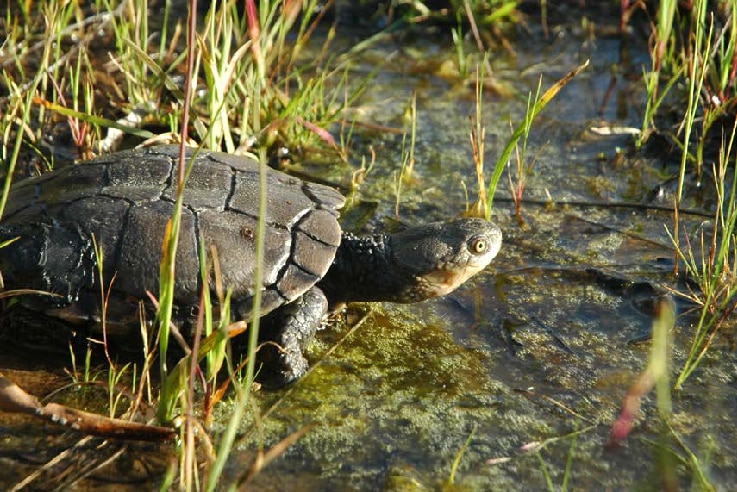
(413, 265)
(434, 259)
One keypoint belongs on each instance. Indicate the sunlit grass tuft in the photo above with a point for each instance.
(710, 260)
(520, 132)
(140, 78)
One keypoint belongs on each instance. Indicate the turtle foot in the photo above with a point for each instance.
(291, 327)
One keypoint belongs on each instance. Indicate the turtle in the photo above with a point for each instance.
(116, 207)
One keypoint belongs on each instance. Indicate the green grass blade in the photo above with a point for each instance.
(519, 132)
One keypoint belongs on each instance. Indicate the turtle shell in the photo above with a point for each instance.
(122, 202)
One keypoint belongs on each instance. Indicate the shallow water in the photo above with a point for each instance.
(536, 347)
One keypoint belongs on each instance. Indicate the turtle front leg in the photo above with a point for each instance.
(294, 327)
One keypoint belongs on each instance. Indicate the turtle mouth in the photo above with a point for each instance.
(442, 282)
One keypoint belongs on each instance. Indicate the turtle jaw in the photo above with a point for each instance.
(442, 282)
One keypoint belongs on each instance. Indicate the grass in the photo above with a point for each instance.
(693, 61)
(408, 154)
(537, 447)
(694, 51)
(566, 473)
(487, 14)
(141, 78)
(457, 460)
(670, 448)
(535, 105)
(19, 105)
(712, 263)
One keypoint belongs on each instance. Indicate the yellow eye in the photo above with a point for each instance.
(477, 245)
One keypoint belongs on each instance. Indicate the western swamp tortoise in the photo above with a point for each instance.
(124, 201)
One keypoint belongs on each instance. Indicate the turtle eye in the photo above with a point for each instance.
(477, 245)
